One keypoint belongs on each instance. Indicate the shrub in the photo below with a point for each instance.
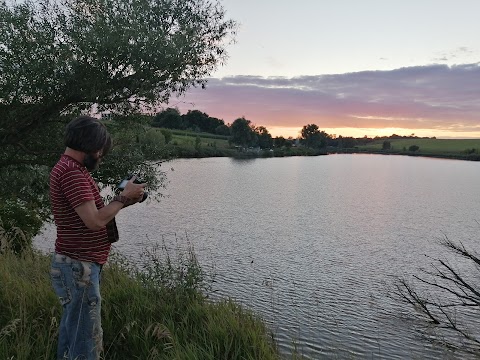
(471, 151)
(167, 134)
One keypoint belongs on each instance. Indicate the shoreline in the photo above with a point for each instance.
(310, 152)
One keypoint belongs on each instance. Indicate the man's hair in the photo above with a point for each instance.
(88, 135)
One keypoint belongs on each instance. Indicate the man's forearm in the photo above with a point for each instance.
(96, 219)
(108, 212)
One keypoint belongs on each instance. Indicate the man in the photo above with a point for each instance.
(83, 242)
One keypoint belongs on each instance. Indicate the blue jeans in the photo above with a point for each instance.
(77, 285)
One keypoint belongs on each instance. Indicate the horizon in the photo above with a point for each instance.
(296, 132)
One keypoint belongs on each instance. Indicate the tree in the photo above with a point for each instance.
(242, 132)
(196, 120)
(61, 58)
(265, 140)
(314, 138)
(169, 118)
(289, 142)
(222, 130)
(213, 124)
(387, 145)
(279, 141)
(346, 142)
(449, 297)
(413, 148)
(200, 121)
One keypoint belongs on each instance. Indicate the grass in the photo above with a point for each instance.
(186, 144)
(184, 133)
(205, 141)
(430, 146)
(157, 312)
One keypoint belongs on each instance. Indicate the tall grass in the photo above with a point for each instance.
(158, 311)
(12, 239)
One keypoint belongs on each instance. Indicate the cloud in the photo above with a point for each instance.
(437, 97)
(460, 52)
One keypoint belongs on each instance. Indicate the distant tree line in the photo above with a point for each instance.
(241, 132)
(193, 120)
(244, 134)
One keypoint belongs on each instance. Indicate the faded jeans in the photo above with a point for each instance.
(77, 285)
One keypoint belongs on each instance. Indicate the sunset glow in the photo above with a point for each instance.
(360, 71)
(294, 132)
(435, 100)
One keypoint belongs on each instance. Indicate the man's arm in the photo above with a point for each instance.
(96, 219)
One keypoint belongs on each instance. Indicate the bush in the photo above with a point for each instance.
(152, 144)
(167, 135)
(25, 205)
(471, 151)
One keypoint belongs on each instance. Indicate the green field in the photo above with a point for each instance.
(220, 142)
(428, 146)
(186, 133)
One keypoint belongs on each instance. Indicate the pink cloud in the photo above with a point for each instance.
(425, 97)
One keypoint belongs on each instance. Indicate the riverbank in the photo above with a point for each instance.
(460, 149)
(199, 145)
(158, 313)
(439, 155)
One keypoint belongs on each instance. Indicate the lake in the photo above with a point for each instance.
(312, 244)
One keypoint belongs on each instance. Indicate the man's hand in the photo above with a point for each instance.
(133, 191)
(96, 219)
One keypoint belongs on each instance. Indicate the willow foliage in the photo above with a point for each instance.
(59, 58)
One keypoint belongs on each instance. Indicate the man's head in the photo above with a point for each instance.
(90, 136)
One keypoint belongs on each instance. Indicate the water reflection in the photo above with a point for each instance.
(311, 243)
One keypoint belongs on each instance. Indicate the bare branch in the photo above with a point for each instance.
(458, 298)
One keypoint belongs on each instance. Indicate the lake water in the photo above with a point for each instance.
(312, 244)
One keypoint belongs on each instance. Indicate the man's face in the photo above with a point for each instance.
(91, 161)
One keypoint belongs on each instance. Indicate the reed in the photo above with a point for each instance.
(158, 311)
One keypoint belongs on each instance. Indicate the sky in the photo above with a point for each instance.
(353, 67)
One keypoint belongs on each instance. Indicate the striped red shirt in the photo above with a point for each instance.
(71, 185)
